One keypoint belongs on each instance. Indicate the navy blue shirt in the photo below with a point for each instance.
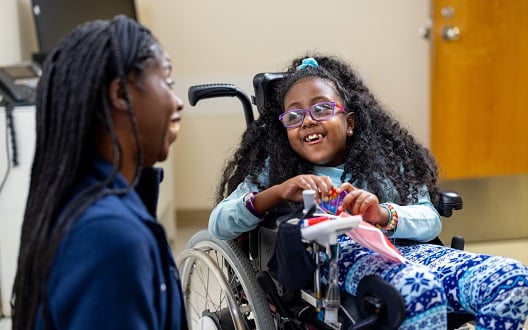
(114, 268)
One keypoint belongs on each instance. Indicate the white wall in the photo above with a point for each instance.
(230, 41)
(13, 196)
(10, 41)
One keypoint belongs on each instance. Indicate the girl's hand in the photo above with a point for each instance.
(364, 203)
(291, 189)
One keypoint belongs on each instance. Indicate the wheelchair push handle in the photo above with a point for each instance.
(207, 91)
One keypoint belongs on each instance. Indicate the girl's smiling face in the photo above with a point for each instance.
(319, 142)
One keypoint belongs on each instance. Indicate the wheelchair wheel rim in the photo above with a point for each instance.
(200, 295)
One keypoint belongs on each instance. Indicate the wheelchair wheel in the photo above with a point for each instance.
(219, 286)
(381, 302)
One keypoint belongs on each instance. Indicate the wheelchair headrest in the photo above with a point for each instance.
(264, 85)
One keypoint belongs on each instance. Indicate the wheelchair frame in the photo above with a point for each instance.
(245, 296)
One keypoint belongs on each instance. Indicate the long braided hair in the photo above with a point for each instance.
(381, 154)
(72, 100)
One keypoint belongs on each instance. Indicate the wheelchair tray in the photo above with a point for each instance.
(325, 233)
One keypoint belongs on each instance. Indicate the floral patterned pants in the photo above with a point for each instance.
(437, 279)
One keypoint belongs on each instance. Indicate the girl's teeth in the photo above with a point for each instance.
(313, 137)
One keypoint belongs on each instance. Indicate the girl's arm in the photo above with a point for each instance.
(231, 217)
(420, 221)
(239, 212)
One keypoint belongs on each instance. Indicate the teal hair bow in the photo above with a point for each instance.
(309, 61)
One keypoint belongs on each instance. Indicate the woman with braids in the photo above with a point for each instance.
(92, 254)
(326, 130)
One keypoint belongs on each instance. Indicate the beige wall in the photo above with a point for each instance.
(231, 40)
(494, 208)
(10, 49)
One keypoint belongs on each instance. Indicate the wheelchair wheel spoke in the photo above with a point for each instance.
(219, 289)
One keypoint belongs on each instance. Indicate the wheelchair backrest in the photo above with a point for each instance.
(264, 85)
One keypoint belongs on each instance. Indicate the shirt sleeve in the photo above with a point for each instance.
(230, 217)
(420, 221)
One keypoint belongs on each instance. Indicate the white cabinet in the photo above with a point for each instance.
(13, 194)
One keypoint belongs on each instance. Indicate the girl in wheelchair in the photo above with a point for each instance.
(324, 129)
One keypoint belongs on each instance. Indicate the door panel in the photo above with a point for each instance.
(479, 81)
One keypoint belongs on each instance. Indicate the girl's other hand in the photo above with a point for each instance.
(364, 203)
(291, 189)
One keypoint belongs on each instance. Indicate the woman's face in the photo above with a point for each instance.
(157, 109)
(319, 142)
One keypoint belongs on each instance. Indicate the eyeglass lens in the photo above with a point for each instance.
(319, 112)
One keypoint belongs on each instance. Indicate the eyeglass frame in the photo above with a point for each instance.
(335, 106)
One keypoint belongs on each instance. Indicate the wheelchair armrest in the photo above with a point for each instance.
(448, 201)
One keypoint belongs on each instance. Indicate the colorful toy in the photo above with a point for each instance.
(333, 204)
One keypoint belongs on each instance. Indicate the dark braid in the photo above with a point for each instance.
(381, 153)
(72, 98)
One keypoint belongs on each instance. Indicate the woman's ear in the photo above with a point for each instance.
(116, 94)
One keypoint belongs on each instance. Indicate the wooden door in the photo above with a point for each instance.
(479, 81)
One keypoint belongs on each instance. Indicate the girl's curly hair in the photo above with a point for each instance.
(381, 154)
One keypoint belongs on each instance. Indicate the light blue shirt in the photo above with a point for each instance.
(419, 221)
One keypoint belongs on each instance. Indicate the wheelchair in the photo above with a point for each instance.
(227, 285)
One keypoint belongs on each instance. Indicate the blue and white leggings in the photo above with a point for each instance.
(438, 279)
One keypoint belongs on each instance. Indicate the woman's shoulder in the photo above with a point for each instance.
(111, 223)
